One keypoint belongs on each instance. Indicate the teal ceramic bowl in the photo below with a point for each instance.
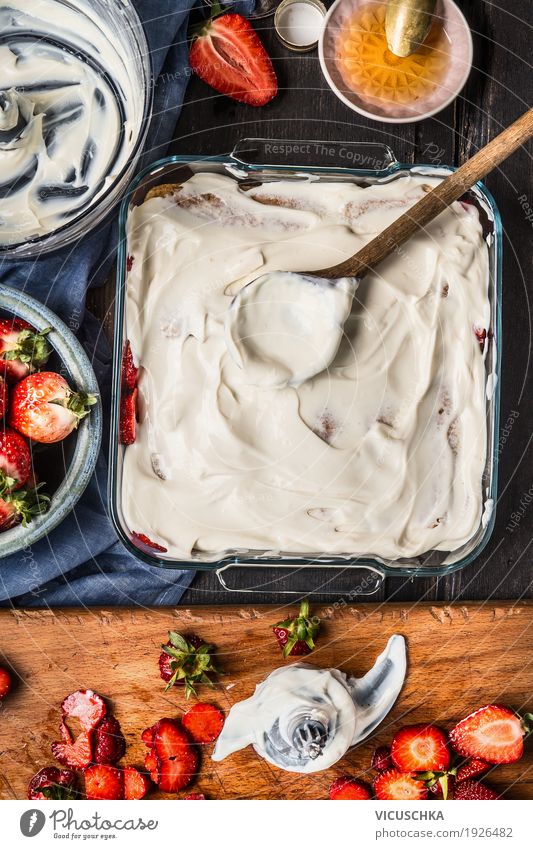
(66, 466)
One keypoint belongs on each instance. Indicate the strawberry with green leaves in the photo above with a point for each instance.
(297, 636)
(53, 783)
(187, 662)
(20, 506)
(45, 409)
(22, 349)
(15, 460)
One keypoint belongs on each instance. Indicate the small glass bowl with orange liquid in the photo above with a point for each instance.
(368, 77)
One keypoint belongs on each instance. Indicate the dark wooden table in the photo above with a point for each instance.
(498, 91)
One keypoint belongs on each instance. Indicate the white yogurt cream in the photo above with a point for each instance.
(285, 328)
(67, 113)
(382, 453)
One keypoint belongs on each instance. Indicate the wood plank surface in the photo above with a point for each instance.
(460, 657)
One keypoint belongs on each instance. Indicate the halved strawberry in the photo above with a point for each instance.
(129, 369)
(474, 790)
(347, 787)
(472, 768)
(128, 418)
(393, 785)
(104, 782)
(177, 759)
(204, 722)
(420, 747)
(53, 783)
(86, 706)
(228, 55)
(296, 636)
(493, 733)
(77, 753)
(136, 783)
(193, 796)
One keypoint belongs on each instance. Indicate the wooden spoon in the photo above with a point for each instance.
(435, 202)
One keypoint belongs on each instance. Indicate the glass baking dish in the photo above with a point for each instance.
(267, 160)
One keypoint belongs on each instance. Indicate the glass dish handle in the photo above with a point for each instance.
(349, 582)
(369, 157)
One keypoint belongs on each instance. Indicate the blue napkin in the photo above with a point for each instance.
(81, 562)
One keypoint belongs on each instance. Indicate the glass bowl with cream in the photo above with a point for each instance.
(382, 455)
(75, 101)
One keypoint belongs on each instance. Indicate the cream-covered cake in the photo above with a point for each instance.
(382, 452)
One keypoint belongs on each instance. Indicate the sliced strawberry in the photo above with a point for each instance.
(86, 706)
(472, 768)
(228, 55)
(104, 782)
(204, 722)
(136, 784)
(481, 336)
(77, 753)
(53, 783)
(381, 759)
(347, 787)
(420, 747)
(150, 764)
(493, 733)
(109, 745)
(296, 636)
(393, 785)
(193, 796)
(129, 263)
(474, 790)
(5, 682)
(129, 370)
(144, 542)
(128, 418)
(147, 736)
(177, 759)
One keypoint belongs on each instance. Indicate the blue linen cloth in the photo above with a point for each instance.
(81, 562)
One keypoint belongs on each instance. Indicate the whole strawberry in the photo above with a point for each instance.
(21, 506)
(15, 460)
(186, 661)
(45, 409)
(22, 349)
(474, 790)
(297, 636)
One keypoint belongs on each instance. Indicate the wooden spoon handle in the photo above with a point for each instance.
(432, 204)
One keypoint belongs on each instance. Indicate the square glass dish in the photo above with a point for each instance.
(260, 161)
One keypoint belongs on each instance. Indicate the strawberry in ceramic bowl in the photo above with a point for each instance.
(32, 338)
(45, 409)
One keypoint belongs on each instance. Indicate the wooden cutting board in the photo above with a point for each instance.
(459, 658)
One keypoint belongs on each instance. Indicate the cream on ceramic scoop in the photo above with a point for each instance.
(380, 453)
